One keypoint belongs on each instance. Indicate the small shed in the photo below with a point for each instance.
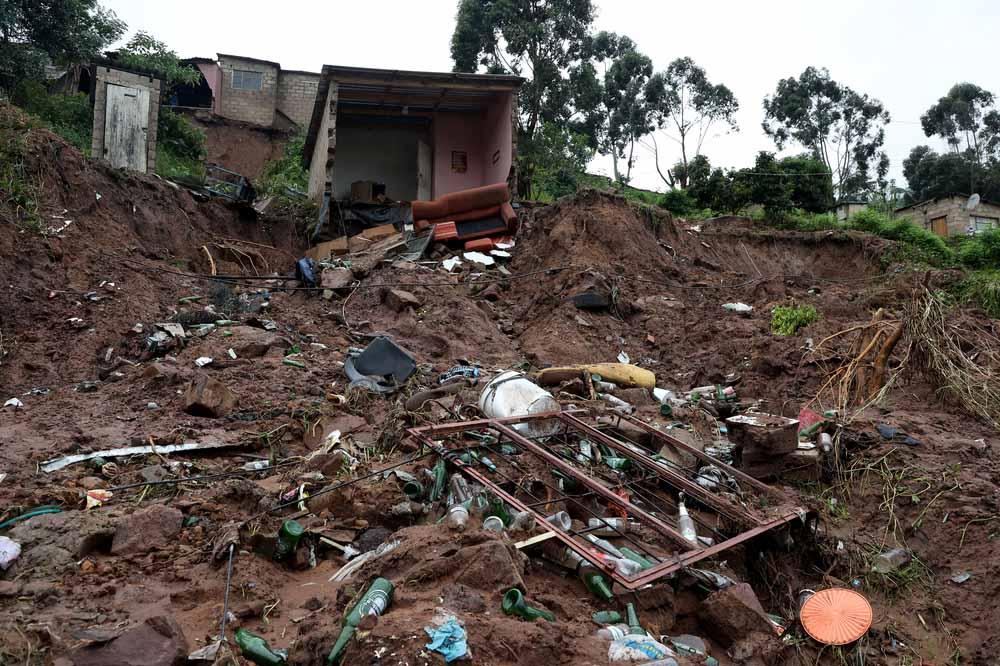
(948, 215)
(847, 208)
(126, 109)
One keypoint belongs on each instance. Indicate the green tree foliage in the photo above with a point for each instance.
(686, 104)
(981, 251)
(679, 202)
(615, 110)
(966, 120)
(930, 174)
(69, 116)
(63, 31)
(809, 179)
(558, 156)
(145, 52)
(842, 128)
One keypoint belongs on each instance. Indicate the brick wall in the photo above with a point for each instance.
(953, 209)
(106, 75)
(297, 95)
(320, 168)
(252, 106)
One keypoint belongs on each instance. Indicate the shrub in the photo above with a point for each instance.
(919, 244)
(679, 202)
(982, 251)
(801, 220)
(179, 136)
(69, 116)
(984, 288)
(788, 319)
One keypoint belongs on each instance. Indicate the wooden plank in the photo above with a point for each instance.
(126, 116)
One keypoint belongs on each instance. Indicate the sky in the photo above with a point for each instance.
(906, 54)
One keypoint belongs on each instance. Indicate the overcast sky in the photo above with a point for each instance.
(904, 53)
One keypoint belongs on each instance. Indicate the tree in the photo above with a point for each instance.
(683, 99)
(619, 115)
(929, 175)
(145, 52)
(809, 180)
(559, 157)
(964, 118)
(842, 128)
(61, 31)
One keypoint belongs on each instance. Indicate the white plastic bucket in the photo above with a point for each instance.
(512, 394)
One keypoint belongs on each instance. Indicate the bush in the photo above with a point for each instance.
(179, 136)
(982, 251)
(788, 319)
(69, 116)
(983, 287)
(801, 220)
(679, 202)
(287, 172)
(919, 244)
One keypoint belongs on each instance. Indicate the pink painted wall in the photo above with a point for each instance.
(213, 76)
(482, 136)
(457, 132)
(497, 141)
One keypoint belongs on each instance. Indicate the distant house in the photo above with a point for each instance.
(419, 134)
(847, 208)
(947, 215)
(251, 90)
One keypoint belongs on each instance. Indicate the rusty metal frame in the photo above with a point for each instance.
(685, 554)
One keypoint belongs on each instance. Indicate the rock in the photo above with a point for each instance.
(464, 599)
(255, 342)
(336, 278)
(592, 300)
(159, 641)
(635, 396)
(345, 423)
(732, 614)
(147, 529)
(55, 541)
(207, 396)
(154, 473)
(489, 566)
(758, 649)
(91, 483)
(492, 293)
(399, 300)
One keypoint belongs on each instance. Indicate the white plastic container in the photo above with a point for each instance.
(512, 394)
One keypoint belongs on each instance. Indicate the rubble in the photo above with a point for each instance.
(207, 396)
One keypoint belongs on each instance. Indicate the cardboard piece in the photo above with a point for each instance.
(323, 251)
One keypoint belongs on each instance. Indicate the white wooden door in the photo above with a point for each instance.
(424, 166)
(125, 127)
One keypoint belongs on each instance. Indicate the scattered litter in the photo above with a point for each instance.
(459, 371)
(256, 649)
(97, 497)
(638, 648)
(960, 578)
(836, 616)
(348, 569)
(479, 258)
(450, 263)
(202, 361)
(623, 358)
(10, 550)
(500, 254)
(59, 463)
(740, 308)
(293, 362)
(382, 367)
(513, 604)
(15, 403)
(447, 636)
(512, 394)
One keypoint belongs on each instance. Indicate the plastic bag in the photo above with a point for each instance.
(10, 550)
(638, 648)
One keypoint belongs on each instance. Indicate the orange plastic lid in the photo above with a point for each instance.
(836, 616)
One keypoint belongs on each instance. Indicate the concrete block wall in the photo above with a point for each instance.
(953, 209)
(107, 75)
(297, 95)
(252, 106)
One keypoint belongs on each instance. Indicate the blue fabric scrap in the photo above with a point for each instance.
(449, 639)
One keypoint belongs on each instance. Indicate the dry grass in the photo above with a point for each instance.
(963, 360)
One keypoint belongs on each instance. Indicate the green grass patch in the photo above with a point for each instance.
(69, 116)
(981, 251)
(788, 319)
(20, 188)
(918, 245)
(983, 287)
(634, 194)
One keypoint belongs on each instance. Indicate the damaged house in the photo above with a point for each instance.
(409, 135)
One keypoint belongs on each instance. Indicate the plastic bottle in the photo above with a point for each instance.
(891, 560)
(511, 394)
(685, 522)
(255, 649)
(613, 632)
(617, 403)
(458, 516)
(375, 601)
(825, 442)
(288, 539)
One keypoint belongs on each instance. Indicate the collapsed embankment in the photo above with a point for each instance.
(147, 553)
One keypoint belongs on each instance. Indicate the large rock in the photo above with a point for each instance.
(336, 278)
(159, 641)
(148, 529)
(399, 300)
(53, 542)
(207, 396)
(732, 614)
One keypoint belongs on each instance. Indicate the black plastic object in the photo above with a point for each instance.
(382, 367)
(592, 300)
(305, 271)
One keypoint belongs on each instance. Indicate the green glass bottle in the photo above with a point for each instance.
(440, 479)
(487, 463)
(499, 509)
(255, 649)
(374, 601)
(636, 557)
(513, 604)
(606, 617)
(414, 490)
(618, 464)
(634, 628)
(288, 539)
(591, 577)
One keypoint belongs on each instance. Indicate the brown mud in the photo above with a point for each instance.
(134, 248)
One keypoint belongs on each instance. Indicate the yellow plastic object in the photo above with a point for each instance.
(622, 374)
(836, 616)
